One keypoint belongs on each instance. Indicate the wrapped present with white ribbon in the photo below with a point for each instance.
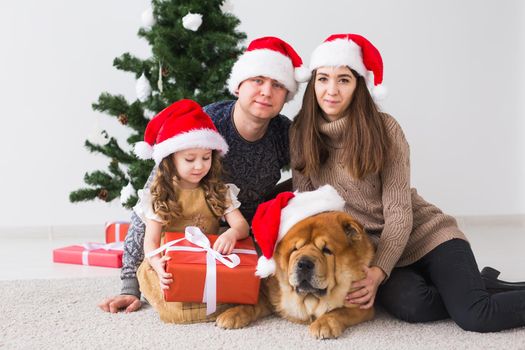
(201, 274)
(93, 254)
(116, 231)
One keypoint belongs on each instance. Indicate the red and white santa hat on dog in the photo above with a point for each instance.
(182, 125)
(356, 52)
(273, 58)
(273, 219)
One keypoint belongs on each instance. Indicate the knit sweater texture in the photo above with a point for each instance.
(402, 225)
(255, 167)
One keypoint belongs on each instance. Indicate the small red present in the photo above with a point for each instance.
(116, 231)
(201, 274)
(93, 254)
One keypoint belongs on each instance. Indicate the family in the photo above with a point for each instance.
(215, 165)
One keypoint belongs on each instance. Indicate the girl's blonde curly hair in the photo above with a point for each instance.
(165, 190)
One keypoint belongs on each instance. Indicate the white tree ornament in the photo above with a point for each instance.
(98, 136)
(143, 88)
(148, 20)
(126, 193)
(192, 21)
(160, 86)
(149, 114)
(227, 6)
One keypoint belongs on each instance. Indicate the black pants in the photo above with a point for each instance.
(446, 283)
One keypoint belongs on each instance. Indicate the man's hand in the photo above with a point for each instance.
(126, 303)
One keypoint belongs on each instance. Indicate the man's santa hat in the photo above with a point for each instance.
(356, 52)
(273, 219)
(182, 125)
(272, 58)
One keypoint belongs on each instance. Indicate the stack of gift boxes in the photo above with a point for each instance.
(97, 254)
(189, 267)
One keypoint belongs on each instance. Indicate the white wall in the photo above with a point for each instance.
(454, 70)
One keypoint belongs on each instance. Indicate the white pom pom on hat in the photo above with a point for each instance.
(302, 74)
(143, 150)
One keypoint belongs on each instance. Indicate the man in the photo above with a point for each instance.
(264, 78)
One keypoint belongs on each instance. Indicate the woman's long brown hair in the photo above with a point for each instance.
(365, 139)
(165, 190)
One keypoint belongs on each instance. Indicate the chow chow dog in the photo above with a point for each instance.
(316, 262)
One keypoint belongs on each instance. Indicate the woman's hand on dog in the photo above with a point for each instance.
(366, 288)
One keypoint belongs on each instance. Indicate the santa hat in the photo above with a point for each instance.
(273, 58)
(273, 219)
(356, 52)
(182, 125)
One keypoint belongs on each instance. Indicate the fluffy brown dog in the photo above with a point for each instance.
(317, 261)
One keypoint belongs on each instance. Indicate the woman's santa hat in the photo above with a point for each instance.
(273, 219)
(272, 58)
(356, 52)
(182, 125)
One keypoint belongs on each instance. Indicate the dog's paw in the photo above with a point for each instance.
(326, 328)
(236, 317)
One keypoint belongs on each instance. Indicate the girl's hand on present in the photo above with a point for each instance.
(159, 265)
(226, 242)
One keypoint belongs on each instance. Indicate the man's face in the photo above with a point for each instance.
(262, 97)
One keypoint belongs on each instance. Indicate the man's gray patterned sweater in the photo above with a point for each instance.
(255, 167)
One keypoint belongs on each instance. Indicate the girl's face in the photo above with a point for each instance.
(261, 97)
(334, 89)
(192, 165)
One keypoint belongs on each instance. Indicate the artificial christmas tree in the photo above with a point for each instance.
(194, 44)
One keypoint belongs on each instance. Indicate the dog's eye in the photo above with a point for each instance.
(327, 251)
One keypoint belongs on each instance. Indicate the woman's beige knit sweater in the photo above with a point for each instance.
(403, 225)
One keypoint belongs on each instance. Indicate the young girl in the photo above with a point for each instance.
(186, 191)
(423, 264)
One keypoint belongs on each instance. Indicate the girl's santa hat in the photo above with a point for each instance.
(273, 58)
(356, 52)
(273, 219)
(182, 125)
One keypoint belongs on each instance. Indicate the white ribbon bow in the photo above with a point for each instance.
(196, 236)
(94, 246)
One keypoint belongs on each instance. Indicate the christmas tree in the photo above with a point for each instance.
(194, 44)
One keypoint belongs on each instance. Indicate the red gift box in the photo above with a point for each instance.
(116, 231)
(90, 254)
(237, 285)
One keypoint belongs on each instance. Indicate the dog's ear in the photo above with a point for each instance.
(353, 230)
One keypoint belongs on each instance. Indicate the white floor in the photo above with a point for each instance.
(29, 256)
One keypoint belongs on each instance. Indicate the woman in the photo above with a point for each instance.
(424, 267)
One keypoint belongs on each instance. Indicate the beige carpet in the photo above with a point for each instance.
(62, 314)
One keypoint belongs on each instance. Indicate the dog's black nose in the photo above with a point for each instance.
(305, 265)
